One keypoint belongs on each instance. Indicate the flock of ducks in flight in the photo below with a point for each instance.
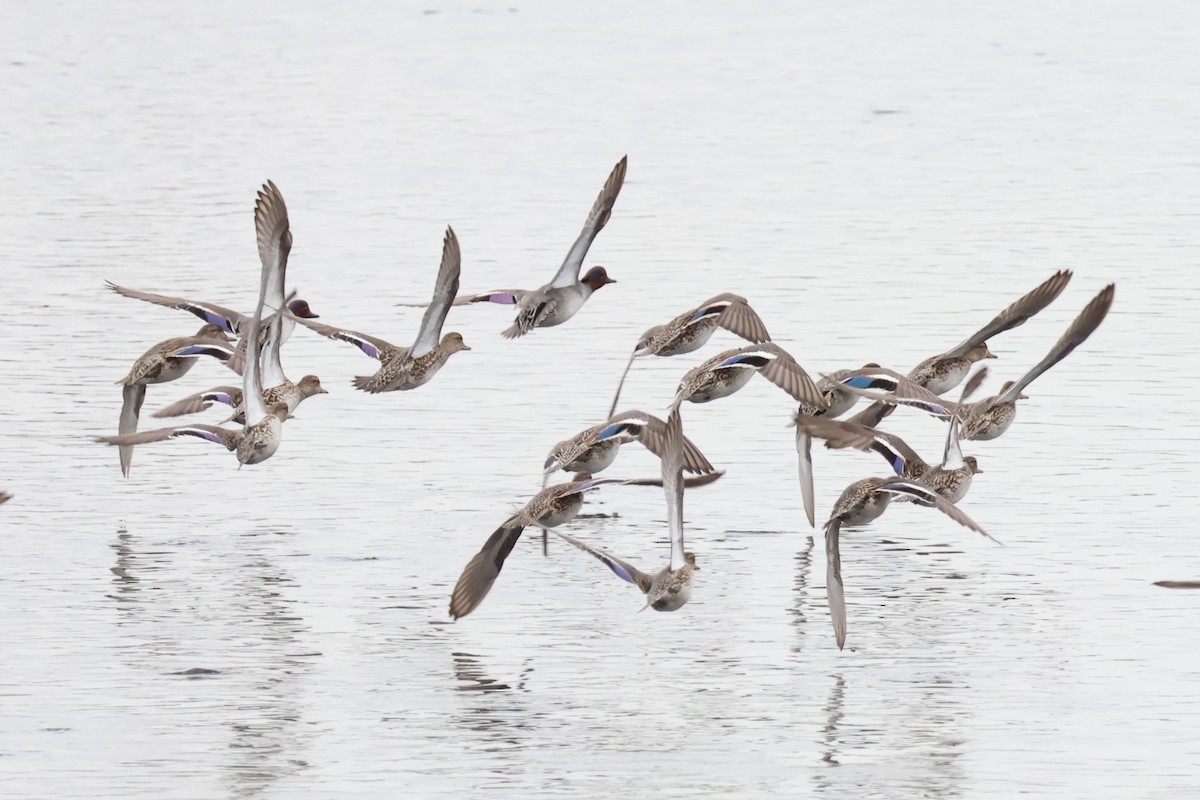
(249, 344)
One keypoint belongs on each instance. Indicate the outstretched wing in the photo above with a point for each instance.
(1017, 313)
(1084, 326)
(834, 590)
(622, 569)
(482, 570)
(444, 290)
(651, 432)
(923, 495)
(952, 457)
(229, 321)
(222, 436)
(372, 346)
(786, 373)
(131, 407)
(840, 435)
(672, 475)
(568, 273)
(274, 244)
(197, 346)
(807, 491)
(229, 395)
(735, 316)
(972, 385)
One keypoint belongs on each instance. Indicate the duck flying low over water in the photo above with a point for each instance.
(277, 387)
(863, 502)
(990, 418)
(549, 508)
(306, 387)
(670, 588)
(559, 300)
(692, 329)
(727, 372)
(262, 433)
(405, 368)
(594, 449)
(165, 362)
(841, 391)
(951, 478)
(941, 373)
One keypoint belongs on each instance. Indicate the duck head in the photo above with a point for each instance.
(453, 342)
(973, 464)
(980, 352)
(595, 278)
(300, 308)
(643, 344)
(211, 331)
(310, 385)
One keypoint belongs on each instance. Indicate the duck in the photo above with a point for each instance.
(594, 449)
(262, 433)
(951, 478)
(692, 329)
(990, 418)
(727, 372)
(405, 368)
(941, 373)
(838, 400)
(306, 387)
(166, 361)
(277, 386)
(549, 508)
(561, 298)
(670, 588)
(859, 504)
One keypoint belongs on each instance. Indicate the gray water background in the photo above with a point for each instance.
(878, 178)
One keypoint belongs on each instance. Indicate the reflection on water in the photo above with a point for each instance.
(237, 618)
(833, 715)
(282, 631)
(917, 751)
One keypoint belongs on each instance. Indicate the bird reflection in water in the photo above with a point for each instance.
(833, 717)
(497, 709)
(914, 742)
(237, 617)
(800, 617)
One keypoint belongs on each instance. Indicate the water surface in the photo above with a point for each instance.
(878, 179)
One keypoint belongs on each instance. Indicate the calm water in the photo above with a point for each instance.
(878, 179)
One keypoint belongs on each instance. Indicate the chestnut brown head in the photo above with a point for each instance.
(596, 277)
(300, 308)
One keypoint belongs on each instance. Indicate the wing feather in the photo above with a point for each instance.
(568, 273)
(622, 569)
(1017, 313)
(445, 288)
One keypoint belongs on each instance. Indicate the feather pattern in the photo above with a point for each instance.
(445, 287)
(1017, 313)
(568, 273)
